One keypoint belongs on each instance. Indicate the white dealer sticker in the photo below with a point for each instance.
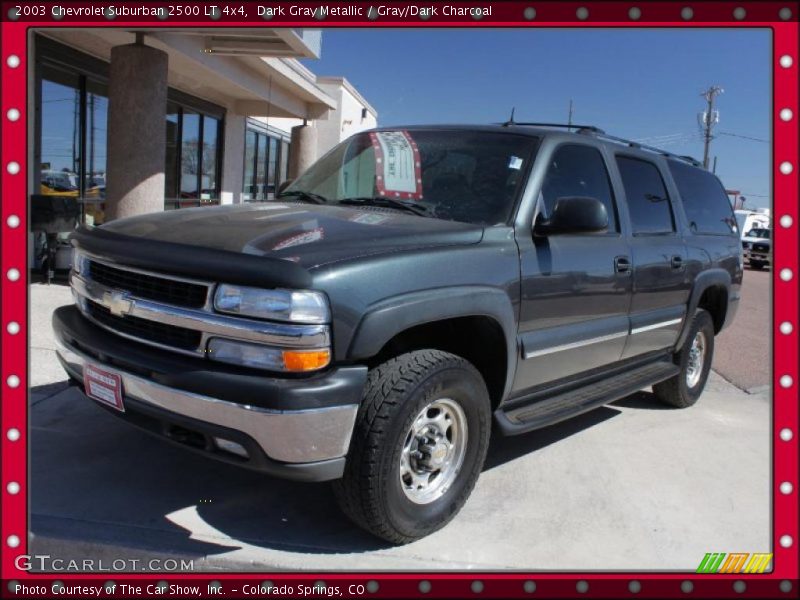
(398, 168)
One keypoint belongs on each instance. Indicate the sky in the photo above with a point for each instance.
(641, 84)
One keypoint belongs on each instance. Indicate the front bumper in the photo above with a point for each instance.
(292, 428)
(754, 255)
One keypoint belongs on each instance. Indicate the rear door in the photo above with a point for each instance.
(659, 256)
(575, 287)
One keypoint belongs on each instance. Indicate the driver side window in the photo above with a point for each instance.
(577, 170)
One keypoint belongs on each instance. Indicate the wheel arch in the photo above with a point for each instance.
(475, 322)
(711, 292)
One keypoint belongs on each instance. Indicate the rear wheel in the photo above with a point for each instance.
(756, 264)
(694, 359)
(418, 446)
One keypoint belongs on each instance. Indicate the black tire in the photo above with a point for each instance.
(756, 265)
(370, 492)
(676, 391)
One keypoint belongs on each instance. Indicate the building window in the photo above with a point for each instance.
(266, 160)
(72, 133)
(71, 150)
(193, 157)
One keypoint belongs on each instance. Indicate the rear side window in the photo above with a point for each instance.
(577, 170)
(705, 202)
(648, 201)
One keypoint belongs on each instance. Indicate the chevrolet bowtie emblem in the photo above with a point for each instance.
(118, 303)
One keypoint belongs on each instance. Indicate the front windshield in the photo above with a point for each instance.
(759, 233)
(458, 175)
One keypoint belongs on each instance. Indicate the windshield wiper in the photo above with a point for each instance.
(417, 209)
(307, 196)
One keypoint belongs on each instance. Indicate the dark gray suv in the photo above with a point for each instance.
(412, 286)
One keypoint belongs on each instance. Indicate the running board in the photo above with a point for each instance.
(565, 405)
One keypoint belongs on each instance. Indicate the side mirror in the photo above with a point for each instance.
(284, 185)
(574, 214)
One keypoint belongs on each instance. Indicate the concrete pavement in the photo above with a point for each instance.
(743, 349)
(630, 486)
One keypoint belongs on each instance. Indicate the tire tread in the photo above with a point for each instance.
(388, 385)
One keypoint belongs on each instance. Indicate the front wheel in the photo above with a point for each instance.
(418, 446)
(694, 359)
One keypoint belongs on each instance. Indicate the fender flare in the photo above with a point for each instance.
(392, 316)
(703, 281)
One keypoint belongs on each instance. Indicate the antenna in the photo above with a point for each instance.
(511, 118)
(569, 120)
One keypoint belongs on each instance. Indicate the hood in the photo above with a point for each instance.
(310, 235)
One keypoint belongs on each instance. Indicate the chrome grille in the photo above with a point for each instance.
(144, 285)
(170, 312)
(144, 329)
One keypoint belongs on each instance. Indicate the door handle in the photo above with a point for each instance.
(622, 264)
(676, 262)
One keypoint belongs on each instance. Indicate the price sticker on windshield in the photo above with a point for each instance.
(398, 170)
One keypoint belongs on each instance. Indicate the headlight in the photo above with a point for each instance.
(80, 264)
(267, 357)
(279, 305)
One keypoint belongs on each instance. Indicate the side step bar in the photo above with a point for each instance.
(568, 404)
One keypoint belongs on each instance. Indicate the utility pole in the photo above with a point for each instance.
(708, 119)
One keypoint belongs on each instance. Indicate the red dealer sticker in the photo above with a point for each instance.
(103, 386)
(397, 165)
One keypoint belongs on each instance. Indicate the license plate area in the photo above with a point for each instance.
(103, 386)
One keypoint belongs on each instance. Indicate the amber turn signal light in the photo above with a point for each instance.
(295, 360)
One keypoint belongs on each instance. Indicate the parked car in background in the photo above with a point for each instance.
(750, 219)
(757, 246)
(411, 286)
(58, 183)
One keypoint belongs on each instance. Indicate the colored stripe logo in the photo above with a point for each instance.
(735, 562)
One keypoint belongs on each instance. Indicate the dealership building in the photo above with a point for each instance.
(133, 121)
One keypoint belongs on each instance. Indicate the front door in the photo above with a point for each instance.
(575, 288)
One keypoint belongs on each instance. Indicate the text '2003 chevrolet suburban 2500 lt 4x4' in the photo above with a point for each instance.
(366, 325)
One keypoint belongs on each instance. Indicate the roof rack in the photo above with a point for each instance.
(596, 131)
(612, 138)
(579, 128)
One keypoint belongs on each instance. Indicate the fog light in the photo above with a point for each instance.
(80, 301)
(267, 357)
(246, 354)
(232, 447)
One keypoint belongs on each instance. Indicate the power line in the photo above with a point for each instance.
(672, 139)
(744, 137)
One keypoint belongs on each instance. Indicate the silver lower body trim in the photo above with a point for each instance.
(660, 325)
(300, 436)
(573, 345)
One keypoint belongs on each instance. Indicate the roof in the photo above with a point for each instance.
(343, 82)
(542, 130)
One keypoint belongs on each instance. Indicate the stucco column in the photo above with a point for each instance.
(233, 158)
(303, 149)
(137, 107)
